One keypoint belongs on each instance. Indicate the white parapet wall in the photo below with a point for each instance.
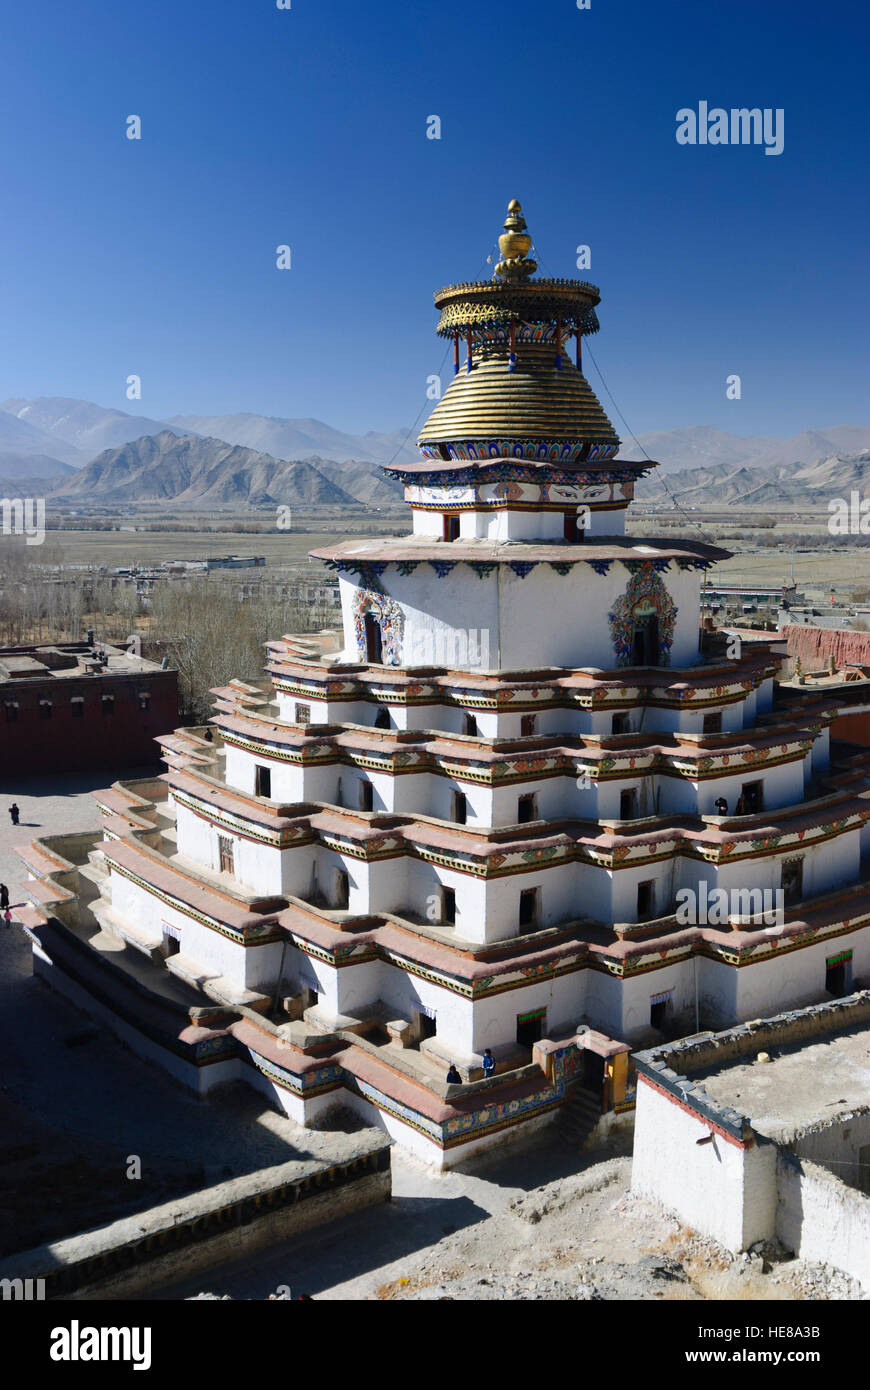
(717, 1184)
(821, 1219)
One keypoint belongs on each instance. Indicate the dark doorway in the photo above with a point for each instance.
(366, 796)
(646, 900)
(469, 726)
(620, 724)
(225, 854)
(530, 1027)
(628, 804)
(528, 725)
(426, 1027)
(374, 647)
(572, 531)
(528, 907)
(838, 974)
(263, 781)
(460, 808)
(658, 1013)
(752, 797)
(792, 881)
(592, 1072)
(171, 944)
(645, 640)
(526, 809)
(382, 719)
(713, 723)
(448, 905)
(451, 528)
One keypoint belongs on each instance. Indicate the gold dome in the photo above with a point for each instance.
(534, 402)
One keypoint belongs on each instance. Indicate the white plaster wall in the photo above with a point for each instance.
(505, 621)
(630, 1010)
(291, 782)
(623, 905)
(764, 988)
(838, 1144)
(257, 867)
(823, 1220)
(718, 1189)
(250, 967)
(321, 710)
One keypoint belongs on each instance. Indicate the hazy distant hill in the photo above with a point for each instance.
(186, 468)
(285, 438)
(81, 425)
(43, 435)
(27, 452)
(797, 484)
(699, 446)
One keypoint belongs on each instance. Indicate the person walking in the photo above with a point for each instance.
(7, 918)
(4, 896)
(488, 1064)
(14, 813)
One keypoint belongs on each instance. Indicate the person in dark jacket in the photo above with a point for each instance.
(488, 1064)
(453, 1077)
(14, 813)
(721, 807)
(4, 896)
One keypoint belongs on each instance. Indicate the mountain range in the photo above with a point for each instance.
(187, 468)
(796, 484)
(259, 459)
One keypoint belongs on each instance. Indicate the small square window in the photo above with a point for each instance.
(303, 714)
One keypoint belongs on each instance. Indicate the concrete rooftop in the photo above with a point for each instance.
(803, 1085)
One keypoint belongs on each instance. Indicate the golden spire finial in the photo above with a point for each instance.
(515, 244)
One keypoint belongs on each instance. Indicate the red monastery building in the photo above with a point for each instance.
(476, 819)
(69, 706)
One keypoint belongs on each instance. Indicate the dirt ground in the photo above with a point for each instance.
(586, 1237)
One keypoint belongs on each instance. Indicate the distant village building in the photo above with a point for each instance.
(456, 833)
(234, 562)
(748, 598)
(66, 706)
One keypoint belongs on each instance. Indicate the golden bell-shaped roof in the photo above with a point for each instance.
(533, 402)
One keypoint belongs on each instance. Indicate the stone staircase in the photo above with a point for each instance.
(578, 1116)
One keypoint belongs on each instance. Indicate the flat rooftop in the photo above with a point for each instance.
(803, 1085)
(68, 661)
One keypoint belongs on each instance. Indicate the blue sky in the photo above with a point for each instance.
(308, 127)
